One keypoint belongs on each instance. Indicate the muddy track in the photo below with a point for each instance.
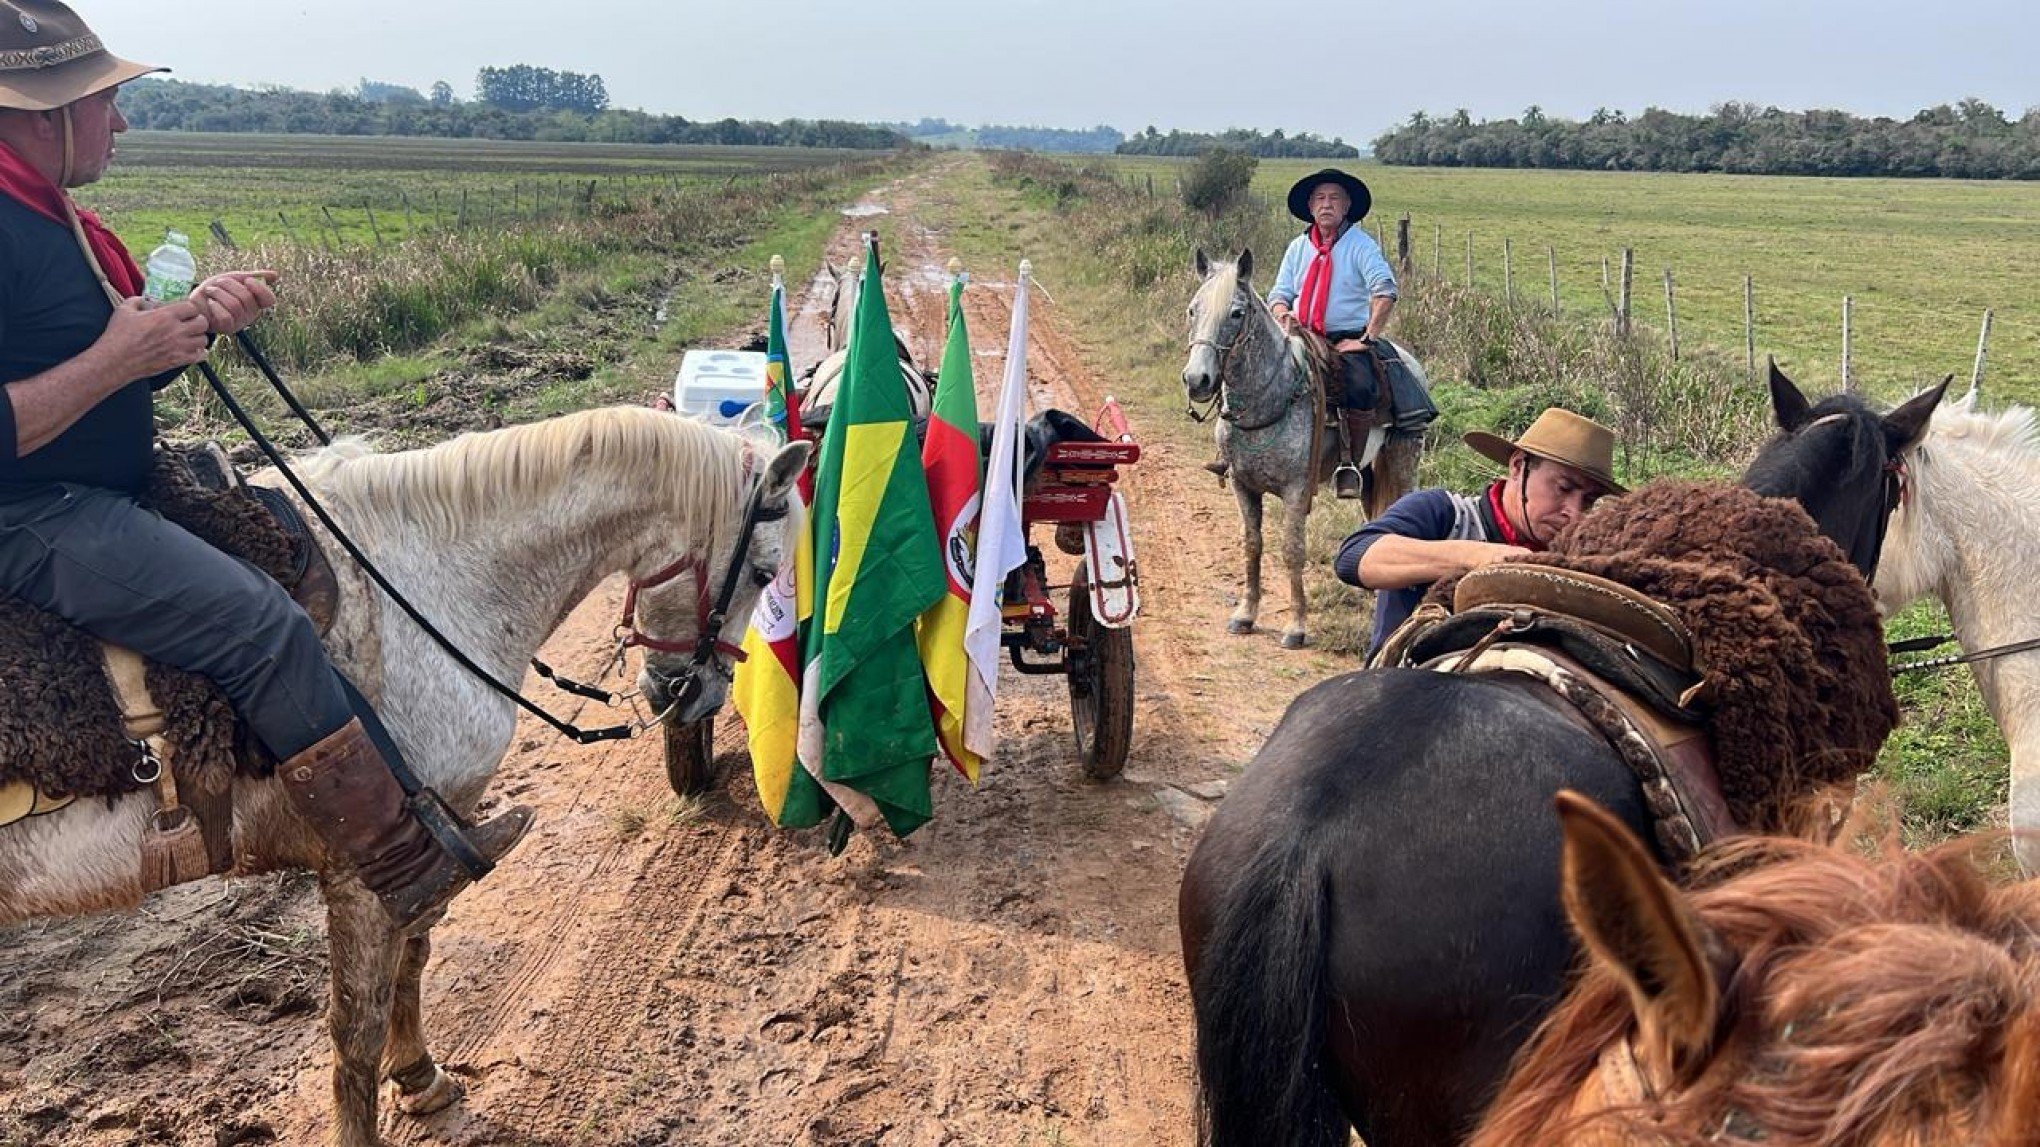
(644, 971)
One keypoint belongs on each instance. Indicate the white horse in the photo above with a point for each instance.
(494, 537)
(1967, 531)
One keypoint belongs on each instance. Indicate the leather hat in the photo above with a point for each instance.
(1299, 194)
(1559, 436)
(49, 58)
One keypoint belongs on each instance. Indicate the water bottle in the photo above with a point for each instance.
(170, 270)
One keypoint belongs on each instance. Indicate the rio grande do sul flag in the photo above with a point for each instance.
(864, 700)
(1002, 540)
(950, 459)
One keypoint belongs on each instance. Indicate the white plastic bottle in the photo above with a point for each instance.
(170, 271)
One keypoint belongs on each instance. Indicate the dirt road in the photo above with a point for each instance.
(648, 972)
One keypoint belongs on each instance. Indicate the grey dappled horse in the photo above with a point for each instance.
(1269, 429)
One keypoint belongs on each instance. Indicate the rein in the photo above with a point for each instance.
(1300, 383)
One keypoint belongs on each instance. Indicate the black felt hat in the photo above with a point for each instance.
(1299, 195)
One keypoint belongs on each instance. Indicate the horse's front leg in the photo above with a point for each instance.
(364, 950)
(423, 1087)
(1242, 620)
(1295, 516)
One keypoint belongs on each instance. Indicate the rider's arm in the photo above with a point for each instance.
(1288, 280)
(1379, 308)
(139, 341)
(1395, 562)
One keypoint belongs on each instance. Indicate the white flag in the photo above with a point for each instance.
(1001, 542)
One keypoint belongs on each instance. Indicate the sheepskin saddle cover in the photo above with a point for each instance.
(1786, 635)
(60, 727)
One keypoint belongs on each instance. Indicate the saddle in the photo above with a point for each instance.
(1622, 661)
(80, 719)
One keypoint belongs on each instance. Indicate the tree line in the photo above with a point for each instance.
(1273, 145)
(523, 88)
(1971, 140)
(1097, 140)
(375, 109)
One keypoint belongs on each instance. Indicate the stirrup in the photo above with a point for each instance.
(1346, 481)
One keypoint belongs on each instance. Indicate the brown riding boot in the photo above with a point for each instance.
(346, 792)
(1353, 428)
(1219, 466)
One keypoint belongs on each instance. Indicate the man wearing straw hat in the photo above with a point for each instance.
(1557, 470)
(80, 357)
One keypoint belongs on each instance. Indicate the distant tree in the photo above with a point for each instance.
(371, 92)
(1218, 180)
(442, 93)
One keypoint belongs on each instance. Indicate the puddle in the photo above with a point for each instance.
(866, 210)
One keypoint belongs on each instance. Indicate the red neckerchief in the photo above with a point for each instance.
(1317, 281)
(1508, 531)
(33, 190)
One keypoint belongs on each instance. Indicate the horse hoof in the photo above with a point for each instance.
(1293, 640)
(443, 1092)
(1239, 625)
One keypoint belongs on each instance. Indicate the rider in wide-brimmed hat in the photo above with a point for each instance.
(1335, 281)
(80, 357)
(1556, 471)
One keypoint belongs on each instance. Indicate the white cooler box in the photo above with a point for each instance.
(718, 386)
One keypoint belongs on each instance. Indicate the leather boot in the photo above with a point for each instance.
(1218, 466)
(344, 789)
(1353, 428)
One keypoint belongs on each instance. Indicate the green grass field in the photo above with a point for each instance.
(1922, 259)
(267, 188)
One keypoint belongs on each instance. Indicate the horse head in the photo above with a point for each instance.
(700, 604)
(1805, 993)
(1842, 461)
(1219, 313)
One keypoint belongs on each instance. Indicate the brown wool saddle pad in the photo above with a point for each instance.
(60, 727)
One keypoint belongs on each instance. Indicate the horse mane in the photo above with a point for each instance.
(2011, 430)
(1878, 997)
(1784, 462)
(1319, 356)
(499, 471)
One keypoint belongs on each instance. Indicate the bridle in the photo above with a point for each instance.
(1219, 394)
(709, 616)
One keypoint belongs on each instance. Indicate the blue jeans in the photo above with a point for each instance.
(120, 572)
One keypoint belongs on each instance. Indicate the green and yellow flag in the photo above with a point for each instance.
(864, 700)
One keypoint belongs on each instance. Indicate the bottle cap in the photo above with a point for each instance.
(177, 238)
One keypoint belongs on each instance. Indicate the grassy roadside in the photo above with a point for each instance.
(1118, 265)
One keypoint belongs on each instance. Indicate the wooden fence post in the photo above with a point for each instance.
(410, 228)
(1402, 243)
(1438, 251)
(1671, 316)
(1551, 258)
(1848, 382)
(1508, 275)
(338, 242)
(1622, 312)
(288, 229)
(1749, 326)
(1469, 259)
(220, 236)
(1982, 345)
(373, 229)
(460, 220)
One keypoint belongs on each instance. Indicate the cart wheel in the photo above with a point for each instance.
(690, 757)
(1101, 686)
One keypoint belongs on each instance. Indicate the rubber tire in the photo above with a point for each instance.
(690, 757)
(1101, 700)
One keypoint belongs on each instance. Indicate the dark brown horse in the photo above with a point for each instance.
(1804, 995)
(1371, 923)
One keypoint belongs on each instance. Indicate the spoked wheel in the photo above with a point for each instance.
(690, 757)
(1101, 686)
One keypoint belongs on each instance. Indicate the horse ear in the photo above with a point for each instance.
(1637, 926)
(1202, 264)
(1246, 263)
(1787, 403)
(1904, 427)
(784, 469)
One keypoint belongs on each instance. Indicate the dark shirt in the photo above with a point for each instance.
(51, 309)
(1433, 515)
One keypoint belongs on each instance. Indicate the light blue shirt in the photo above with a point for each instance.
(1360, 274)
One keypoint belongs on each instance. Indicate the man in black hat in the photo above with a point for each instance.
(80, 356)
(1335, 281)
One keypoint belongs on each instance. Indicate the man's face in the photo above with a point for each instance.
(95, 120)
(1552, 495)
(1328, 205)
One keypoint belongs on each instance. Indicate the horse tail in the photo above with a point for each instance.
(1261, 1001)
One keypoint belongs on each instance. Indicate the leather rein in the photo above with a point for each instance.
(1218, 399)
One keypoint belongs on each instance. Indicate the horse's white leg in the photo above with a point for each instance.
(1296, 633)
(2025, 768)
(1242, 620)
(422, 1086)
(365, 950)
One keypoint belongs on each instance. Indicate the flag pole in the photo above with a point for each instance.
(778, 273)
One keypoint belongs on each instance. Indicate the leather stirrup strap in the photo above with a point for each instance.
(141, 721)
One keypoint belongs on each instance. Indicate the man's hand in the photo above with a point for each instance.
(1283, 318)
(144, 339)
(1344, 346)
(235, 299)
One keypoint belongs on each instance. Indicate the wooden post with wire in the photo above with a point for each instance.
(1508, 274)
(1749, 326)
(1848, 380)
(1438, 250)
(1402, 243)
(373, 228)
(1469, 259)
(1671, 316)
(1551, 259)
(1622, 312)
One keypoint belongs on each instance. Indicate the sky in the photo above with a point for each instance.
(1343, 69)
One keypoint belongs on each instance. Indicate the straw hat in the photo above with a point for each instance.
(1299, 194)
(49, 58)
(1562, 437)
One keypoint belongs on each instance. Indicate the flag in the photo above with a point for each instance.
(766, 687)
(864, 701)
(1002, 543)
(950, 459)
